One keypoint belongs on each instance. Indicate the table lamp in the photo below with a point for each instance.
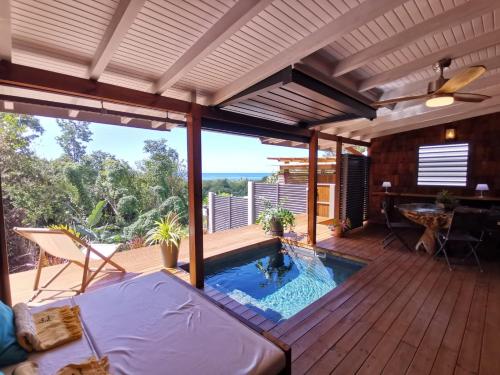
(482, 188)
(386, 185)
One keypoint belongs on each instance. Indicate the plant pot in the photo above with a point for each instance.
(276, 228)
(338, 232)
(170, 255)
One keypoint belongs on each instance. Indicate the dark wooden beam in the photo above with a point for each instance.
(43, 80)
(278, 79)
(312, 194)
(336, 138)
(343, 102)
(338, 173)
(107, 116)
(4, 257)
(229, 122)
(320, 124)
(195, 197)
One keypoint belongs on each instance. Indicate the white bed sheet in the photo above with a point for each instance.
(155, 324)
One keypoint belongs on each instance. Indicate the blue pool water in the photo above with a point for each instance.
(275, 282)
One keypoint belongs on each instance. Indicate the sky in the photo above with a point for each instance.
(220, 152)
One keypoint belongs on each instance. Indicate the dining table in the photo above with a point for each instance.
(429, 215)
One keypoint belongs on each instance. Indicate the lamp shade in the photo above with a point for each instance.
(386, 184)
(482, 187)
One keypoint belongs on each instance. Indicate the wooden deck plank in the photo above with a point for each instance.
(399, 363)
(450, 345)
(470, 351)
(311, 347)
(342, 348)
(359, 353)
(429, 344)
(379, 357)
(490, 357)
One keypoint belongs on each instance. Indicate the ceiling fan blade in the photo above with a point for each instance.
(383, 103)
(461, 79)
(468, 97)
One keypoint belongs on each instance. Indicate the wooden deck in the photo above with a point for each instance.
(148, 259)
(402, 313)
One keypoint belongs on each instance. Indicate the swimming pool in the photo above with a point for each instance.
(278, 282)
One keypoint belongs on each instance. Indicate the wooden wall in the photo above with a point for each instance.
(394, 158)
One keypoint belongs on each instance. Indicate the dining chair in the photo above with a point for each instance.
(466, 227)
(394, 226)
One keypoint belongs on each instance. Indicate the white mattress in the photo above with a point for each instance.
(155, 324)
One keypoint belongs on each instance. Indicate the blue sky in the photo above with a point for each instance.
(221, 152)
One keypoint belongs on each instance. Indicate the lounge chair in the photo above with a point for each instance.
(63, 244)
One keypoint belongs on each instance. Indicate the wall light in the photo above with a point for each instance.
(440, 101)
(450, 134)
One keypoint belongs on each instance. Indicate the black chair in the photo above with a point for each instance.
(394, 226)
(467, 226)
(492, 225)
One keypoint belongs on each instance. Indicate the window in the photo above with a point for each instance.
(443, 165)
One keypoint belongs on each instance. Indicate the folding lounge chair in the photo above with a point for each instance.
(63, 244)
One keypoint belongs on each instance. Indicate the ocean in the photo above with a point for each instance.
(234, 176)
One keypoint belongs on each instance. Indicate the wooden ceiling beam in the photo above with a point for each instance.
(43, 80)
(230, 122)
(445, 20)
(460, 49)
(236, 17)
(420, 113)
(420, 87)
(336, 138)
(120, 23)
(318, 39)
(463, 113)
(5, 31)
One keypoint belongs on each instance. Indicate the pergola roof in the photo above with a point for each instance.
(216, 49)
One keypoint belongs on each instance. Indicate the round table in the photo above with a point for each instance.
(431, 217)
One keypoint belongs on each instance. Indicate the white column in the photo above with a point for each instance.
(331, 201)
(251, 203)
(211, 213)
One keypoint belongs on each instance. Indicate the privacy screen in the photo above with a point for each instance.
(443, 165)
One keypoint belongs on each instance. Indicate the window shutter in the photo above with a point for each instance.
(443, 165)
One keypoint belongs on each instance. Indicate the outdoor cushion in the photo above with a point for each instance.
(10, 351)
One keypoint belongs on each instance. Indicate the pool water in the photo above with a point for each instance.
(278, 283)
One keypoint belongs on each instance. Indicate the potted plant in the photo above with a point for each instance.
(446, 200)
(168, 234)
(274, 220)
(340, 226)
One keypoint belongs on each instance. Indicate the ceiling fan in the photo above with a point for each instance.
(444, 91)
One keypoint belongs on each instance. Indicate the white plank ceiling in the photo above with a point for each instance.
(217, 48)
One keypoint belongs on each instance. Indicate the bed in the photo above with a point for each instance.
(158, 324)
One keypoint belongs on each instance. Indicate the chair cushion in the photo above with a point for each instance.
(10, 351)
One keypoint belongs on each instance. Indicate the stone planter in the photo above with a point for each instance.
(276, 228)
(170, 255)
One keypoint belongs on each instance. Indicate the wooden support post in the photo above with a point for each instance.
(312, 195)
(5, 295)
(338, 173)
(195, 196)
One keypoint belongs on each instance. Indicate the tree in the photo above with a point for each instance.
(73, 138)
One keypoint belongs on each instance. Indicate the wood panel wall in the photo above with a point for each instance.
(394, 158)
